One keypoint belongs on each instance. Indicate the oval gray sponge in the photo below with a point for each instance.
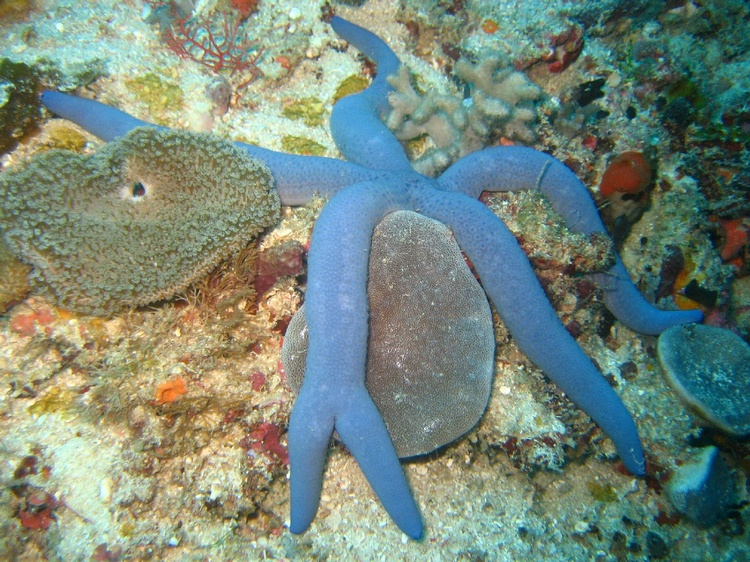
(710, 369)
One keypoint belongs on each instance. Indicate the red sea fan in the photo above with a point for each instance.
(218, 44)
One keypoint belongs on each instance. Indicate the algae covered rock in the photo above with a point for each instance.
(14, 276)
(19, 102)
(710, 369)
(136, 222)
(430, 354)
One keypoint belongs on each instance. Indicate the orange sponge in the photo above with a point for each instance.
(170, 390)
(629, 172)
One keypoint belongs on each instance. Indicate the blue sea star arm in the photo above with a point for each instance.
(103, 121)
(333, 394)
(356, 123)
(512, 168)
(519, 299)
(297, 177)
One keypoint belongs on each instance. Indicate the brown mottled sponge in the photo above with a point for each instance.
(430, 355)
(136, 222)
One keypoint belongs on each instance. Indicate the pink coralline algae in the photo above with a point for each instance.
(564, 49)
(278, 261)
(265, 438)
(36, 513)
(257, 381)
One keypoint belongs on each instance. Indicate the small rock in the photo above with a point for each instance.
(656, 546)
(709, 368)
(703, 488)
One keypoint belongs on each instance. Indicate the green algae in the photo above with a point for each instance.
(127, 529)
(302, 145)
(158, 94)
(56, 401)
(602, 492)
(351, 85)
(310, 111)
(65, 138)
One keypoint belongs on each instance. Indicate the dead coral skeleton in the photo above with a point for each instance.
(501, 104)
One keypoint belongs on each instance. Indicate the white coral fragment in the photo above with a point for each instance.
(502, 103)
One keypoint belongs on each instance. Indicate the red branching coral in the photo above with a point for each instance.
(217, 44)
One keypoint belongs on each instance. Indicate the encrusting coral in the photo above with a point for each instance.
(501, 103)
(14, 274)
(136, 222)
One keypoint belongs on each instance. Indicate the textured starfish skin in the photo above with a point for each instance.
(376, 180)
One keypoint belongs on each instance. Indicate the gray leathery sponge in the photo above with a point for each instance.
(709, 368)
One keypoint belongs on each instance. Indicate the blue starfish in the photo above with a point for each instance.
(376, 180)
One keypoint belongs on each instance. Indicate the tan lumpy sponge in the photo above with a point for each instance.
(137, 221)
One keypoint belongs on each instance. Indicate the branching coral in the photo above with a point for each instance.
(501, 104)
(502, 96)
(218, 41)
(218, 45)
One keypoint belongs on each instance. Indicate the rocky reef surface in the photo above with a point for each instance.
(159, 433)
